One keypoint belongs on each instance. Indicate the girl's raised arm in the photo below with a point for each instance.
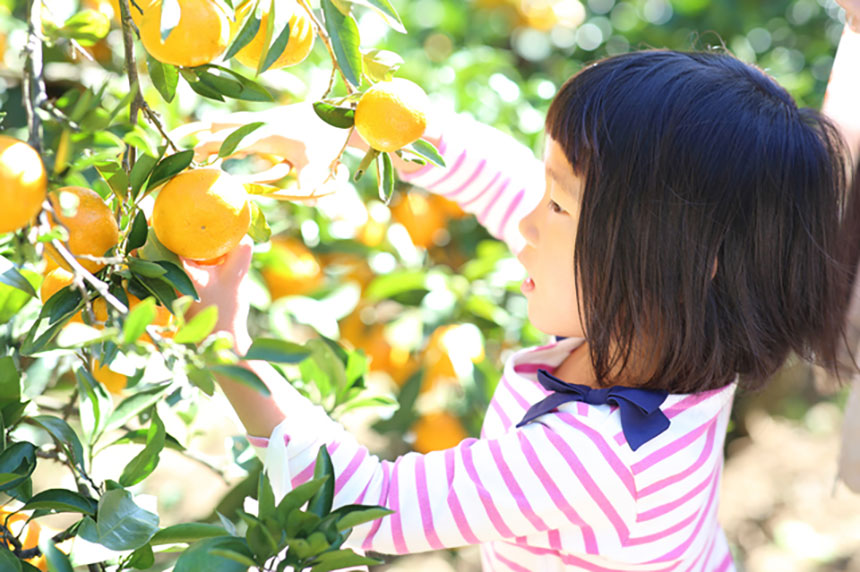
(488, 173)
(842, 99)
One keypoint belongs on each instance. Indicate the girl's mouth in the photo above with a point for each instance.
(527, 286)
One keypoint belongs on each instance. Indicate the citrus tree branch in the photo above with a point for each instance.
(129, 30)
(327, 41)
(34, 81)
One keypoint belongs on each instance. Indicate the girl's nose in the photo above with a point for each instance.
(528, 228)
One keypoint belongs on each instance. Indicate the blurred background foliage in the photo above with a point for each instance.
(423, 290)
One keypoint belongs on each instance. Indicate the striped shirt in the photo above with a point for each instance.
(564, 492)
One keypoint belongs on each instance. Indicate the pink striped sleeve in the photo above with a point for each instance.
(488, 173)
(479, 491)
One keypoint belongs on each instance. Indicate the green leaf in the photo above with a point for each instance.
(324, 369)
(156, 252)
(339, 559)
(297, 497)
(165, 77)
(145, 268)
(233, 139)
(203, 380)
(278, 351)
(160, 288)
(8, 561)
(385, 178)
(53, 316)
(135, 404)
(380, 65)
(170, 15)
(57, 560)
(353, 515)
(17, 463)
(94, 404)
(138, 319)
(265, 497)
(143, 558)
(139, 436)
(65, 437)
(140, 172)
(12, 300)
(269, 32)
(10, 381)
(259, 231)
(427, 150)
(200, 326)
(208, 554)
(241, 375)
(276, 48)
(390, 285)
(384, 9)
(342, 117)
(245, 35)
(139, 230)
(198, 86)
(62, 500)
(178, 278)
(343, 32)
(142, 465)
(187, 533)
(231, 84)
(169, 167)
(12, 276)
(320, 504)
(121, 524)
(86, 26)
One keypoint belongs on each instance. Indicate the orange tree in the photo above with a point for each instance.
(374, 295)
(101, 201)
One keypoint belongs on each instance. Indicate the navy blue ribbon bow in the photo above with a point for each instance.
(641, 417)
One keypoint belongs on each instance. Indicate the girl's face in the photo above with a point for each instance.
(550, 234)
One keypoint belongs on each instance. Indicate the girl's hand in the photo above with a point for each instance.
(292, 133)
(852, 13)
(222, 286)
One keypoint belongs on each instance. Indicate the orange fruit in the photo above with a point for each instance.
(92, 228)
(200, 36)
(422, 218)
(299, 44)
(437, 431)
(201, 214)
(446, 345)
(291, 269)
(392, 114)
(114, 382)
(395, 360)
(23, 183)
(28, 533)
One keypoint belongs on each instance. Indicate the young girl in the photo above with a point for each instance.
(685, 239)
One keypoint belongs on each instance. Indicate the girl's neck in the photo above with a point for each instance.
(577, 368)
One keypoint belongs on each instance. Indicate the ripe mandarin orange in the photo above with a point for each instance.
(291, 269)
(422, 218)
(299, 44)
(201, 214)
(28, 533)
(392, 114)
(200, 36)
(91, 225)
(113, 381)
(23, 183)
(437, 431)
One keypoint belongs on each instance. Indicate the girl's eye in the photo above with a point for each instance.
(555, 207)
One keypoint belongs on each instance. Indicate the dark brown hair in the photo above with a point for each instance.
(711, 220)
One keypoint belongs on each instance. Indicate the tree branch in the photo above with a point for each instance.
(129, 30)
(34, 82)
(327, 41)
